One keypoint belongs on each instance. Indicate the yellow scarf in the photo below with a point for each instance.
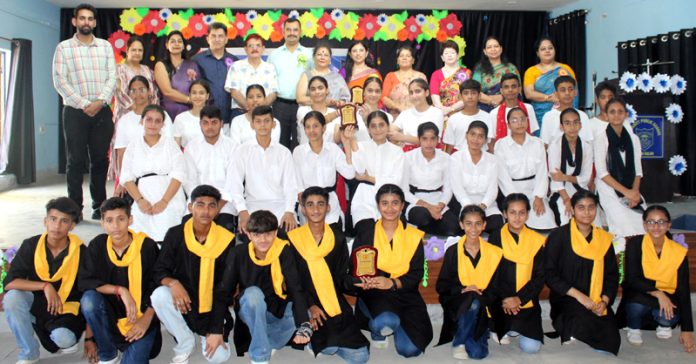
(272, 258)
(487, 264)
(314, 254)
(216, 242)
(521, 253)
(396, 259)
(595, 250)
(133, 260)
(662, 269)
(66, 274)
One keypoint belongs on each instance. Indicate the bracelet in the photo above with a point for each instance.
(305, 330)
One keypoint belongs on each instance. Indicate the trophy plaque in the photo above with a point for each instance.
(365, 262)
(349, 115)
(356, 95)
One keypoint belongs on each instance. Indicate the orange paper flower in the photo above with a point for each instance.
(441, 36)
(139, 29)
(402, 35)
(321, 32)
(231, 32)
(276, 36)
(187, 33)
(359, 34)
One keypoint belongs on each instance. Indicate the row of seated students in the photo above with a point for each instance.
(119, 288)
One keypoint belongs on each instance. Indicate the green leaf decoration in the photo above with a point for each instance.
(229, 15)
(335, 34)
(420, 37)
(354, 16)
(439, 14)
(186, 14)
(142, 11)
(164, 31)
(275, 15)
(317, 12)
(249, 32)
(402, 17)
(380, 35)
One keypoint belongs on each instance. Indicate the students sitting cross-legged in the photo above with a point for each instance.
(191, 262)
(270, 303)
(467, 271)
(116, 280)
(41, 293)
(322, 263)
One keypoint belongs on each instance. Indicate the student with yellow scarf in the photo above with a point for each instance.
(465, 288)
(582, 273)
(41, 287)
(116, 280)
(656, 284)
(389, 303)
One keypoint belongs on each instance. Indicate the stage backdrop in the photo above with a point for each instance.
(383, 32)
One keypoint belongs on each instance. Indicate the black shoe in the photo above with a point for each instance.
(96, 215)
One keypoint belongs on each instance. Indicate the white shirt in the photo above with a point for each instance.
(551, 127)
(493, 119)
(475, 183)
(187, 127)
(458, 125)
(517, 161)
(598, 125)
(554, 158)
(601, 147)
(301, 136)
(409, 120)
(427, 175)
(242, 75)
(128, 128)
(241, 130)
(320, 170)
(262, 179)
(361, 135)
(207, 164)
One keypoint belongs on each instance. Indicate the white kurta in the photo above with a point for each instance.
(554, 159)
(475, 183)
(167, 161)
(187, 127)
(427, 175)
(241, 130)
(551, 127)
(301, 136)
(207, 164)
(458, 125)
(598, 125)
(409, 120)
(385, 163)
(622, 221)
(262, 179)
(128, 128)
(493, 119)
(361, 135)
(320, 170)
(516, 162)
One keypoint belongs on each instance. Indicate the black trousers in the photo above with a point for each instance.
(286, 113)
(448, 225)
(87, 137)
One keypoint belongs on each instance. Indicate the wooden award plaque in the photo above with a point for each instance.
(365, 262)
(356, 95)
(349, 115)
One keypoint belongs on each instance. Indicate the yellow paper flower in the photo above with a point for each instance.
(309, 24)
(176, 22)
(430, 27)
(461, 43)
(221, 18)
(391, 27)
(347, 26)
(263, 25)
(129, 19)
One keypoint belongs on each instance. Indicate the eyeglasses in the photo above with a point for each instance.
(659, 223)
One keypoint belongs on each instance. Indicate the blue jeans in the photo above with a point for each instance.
(267, 331)
(93, 307)
(173, 320)
(351, 356)
(635, 312)
(466, 324)
(17, 306)
(404, 346)
(527, 345)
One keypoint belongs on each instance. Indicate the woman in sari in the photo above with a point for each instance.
(174, 75)
(395, 92)
(126, 71)
(539, 79)
(492, 66)
(358, 66)
(338, 90)
(444, 82)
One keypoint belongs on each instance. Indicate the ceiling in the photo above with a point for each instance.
(513, 5)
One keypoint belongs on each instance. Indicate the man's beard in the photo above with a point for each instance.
(86, 30)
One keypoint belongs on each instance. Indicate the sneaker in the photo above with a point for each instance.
(663, 333)
(386, 331)
(71, 350)
(569, 342)
(380, 344)
(458, 352)
(96, 214)
(25, 361)
(634, 336)
(505, 340)
(181, 359)
(112, 361)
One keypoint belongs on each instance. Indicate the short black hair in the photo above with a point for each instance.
(470, 85)
(211, 112)
(255, 86)
(314, 191)
(472, 209)
(605, 85)
(262, 110)
(154, 107)
(389, 189)
(134, 39)
(659, 208)
(205, 191)
(66, 206)
(583, 194)
(564, 79)
(216, 26)
(510, 76)
(480, 125)
(516, 197)
(201, 82)
(507, 118)
(140, 78)
(570, 110)
(449, 44)
(84, 6)
(318, 116)
(292, 20)
(262, 221)
(427, 126)
(376, 114)
(320, 79)
(615, 100)
(115, 203)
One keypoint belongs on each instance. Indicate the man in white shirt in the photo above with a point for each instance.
(207, 160)
(498, 123)
(551, 123)
(454, 136)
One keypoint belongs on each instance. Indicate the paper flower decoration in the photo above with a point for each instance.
(327, 23)
(680, 239)
(221, 18)
(368, 23)
(10, 254)
(346, 26)
(678, 84)
(430, 27)
(619, 245)
(412, 28)
(660, 83)
(118, 41)
(644, 82)
(451, 25)
(208, 19)
(461, 44)
(197, 25)
(231, 32)
(277, 34)
(674, 113)
(309, 24)
(434, 248)
(382, 19)
(187, 33)
(251, 15)
(129, 18)
(263, 25)
(336, 14)
(392, 27)
(294, 14)
(176, 22)
(632, 114)
(242, 24)
(420, 19)
(139, 29)
(628, 81)
(153, 22)
(165, 13)
(677, 165)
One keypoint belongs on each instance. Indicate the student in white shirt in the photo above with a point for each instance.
(474, 175)
(522, 169)
(404, 131)
(153, 170)
(318, 90)
(510, 89)
(262, 175)
(570, 160)
(377, 162)
(551, 123)
(207, 160)
(454, 135)
(604, 92)
(241, 130)
(427, 185)
(318, 161)
(187, 124)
